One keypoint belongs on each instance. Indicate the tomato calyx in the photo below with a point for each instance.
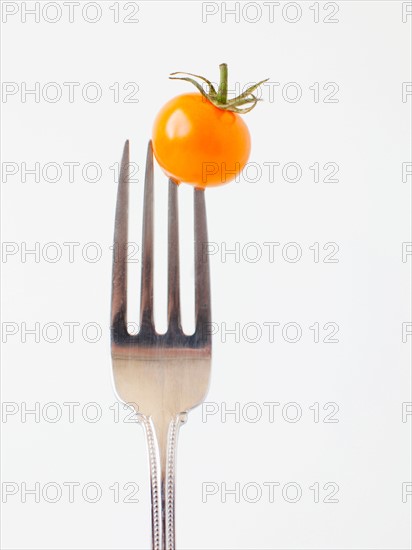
(243, 103)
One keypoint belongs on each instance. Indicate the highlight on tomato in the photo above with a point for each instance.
(200, 138)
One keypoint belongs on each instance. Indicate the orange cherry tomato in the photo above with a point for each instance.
(196, 142)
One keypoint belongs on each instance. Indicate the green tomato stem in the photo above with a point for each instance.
(222, 90)
(243, 103)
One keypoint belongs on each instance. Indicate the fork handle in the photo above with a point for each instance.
(162, 450)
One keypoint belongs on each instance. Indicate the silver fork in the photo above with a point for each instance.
(162, 376)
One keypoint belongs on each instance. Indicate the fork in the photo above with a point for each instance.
(162, 376)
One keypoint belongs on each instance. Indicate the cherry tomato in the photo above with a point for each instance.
(198, 143)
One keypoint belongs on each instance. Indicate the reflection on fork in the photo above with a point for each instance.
(162, 375)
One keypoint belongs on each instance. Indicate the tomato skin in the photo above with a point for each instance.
(198, 143)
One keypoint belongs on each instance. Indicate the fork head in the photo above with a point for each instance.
(161, 375)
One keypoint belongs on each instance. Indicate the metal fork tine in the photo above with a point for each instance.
(202, 277)
(173, 275)
(119, 278)
(146, 295)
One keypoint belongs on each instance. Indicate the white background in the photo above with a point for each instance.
(366, 212)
